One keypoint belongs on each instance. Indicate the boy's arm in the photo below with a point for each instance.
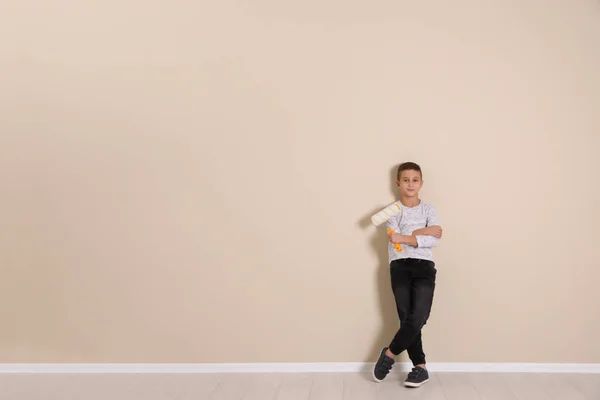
(428, 240)
(403, 239)
(426, 231)
(394, 224)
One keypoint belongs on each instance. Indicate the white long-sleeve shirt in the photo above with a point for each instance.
(413, 218)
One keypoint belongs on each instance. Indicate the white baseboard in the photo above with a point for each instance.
(161, 368)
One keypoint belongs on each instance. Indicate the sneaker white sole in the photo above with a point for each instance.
(375, 378)
(414, 384)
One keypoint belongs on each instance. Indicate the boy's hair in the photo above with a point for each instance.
(409, 166)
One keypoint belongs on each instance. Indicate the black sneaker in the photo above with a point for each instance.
(383, 366)
(416, 377)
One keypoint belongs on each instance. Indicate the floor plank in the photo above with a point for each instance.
(457, 386)
(199, 387)
(295, 387)
(292, 386)
(491, 386)
(232, 387)
(393, 388)
(526, 387)
(326, 386)
(359, 386)
(558, 387)
(587, 384)
(263, 386)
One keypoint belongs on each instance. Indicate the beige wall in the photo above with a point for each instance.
(192, 181)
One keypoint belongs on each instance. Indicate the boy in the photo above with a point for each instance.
(412, 274)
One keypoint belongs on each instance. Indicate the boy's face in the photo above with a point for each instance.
(410, 183)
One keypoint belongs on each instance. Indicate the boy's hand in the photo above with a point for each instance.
(435, 231)
(395, 237)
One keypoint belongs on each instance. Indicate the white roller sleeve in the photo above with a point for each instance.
(387, 213)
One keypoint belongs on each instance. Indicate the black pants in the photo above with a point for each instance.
(413, 284)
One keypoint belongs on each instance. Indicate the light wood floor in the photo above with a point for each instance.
(317, 386)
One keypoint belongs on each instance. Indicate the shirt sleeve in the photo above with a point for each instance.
(394, 223)
(432, 219)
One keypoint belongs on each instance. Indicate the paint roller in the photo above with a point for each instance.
(384, 215)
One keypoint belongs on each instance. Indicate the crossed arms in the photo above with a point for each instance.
(424, 237)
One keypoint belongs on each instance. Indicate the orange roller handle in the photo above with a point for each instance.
(397, 245)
